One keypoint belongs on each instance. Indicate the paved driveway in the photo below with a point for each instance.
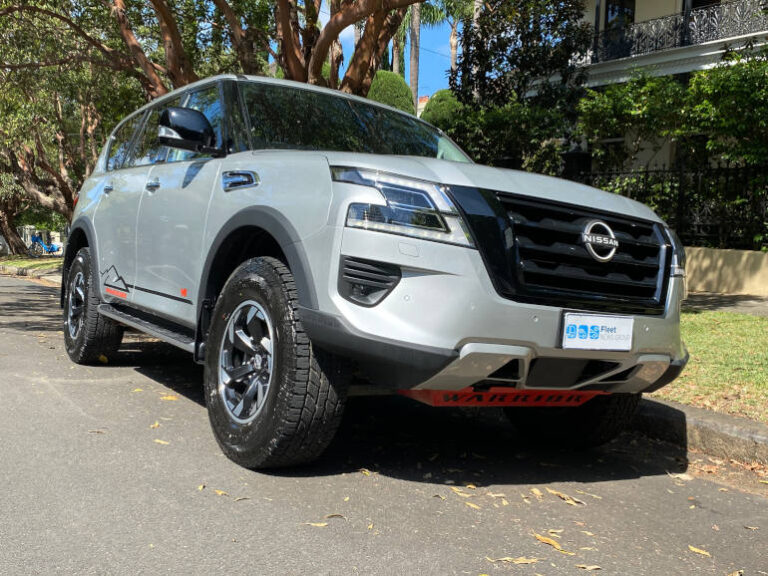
(112, 469)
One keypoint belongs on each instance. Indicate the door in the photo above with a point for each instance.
(171, 220)
(115, 216)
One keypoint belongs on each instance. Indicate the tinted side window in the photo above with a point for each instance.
(297, 119)
(121, 142)
(208, 102)
(148, 149)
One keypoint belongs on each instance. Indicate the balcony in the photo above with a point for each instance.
(699, 26)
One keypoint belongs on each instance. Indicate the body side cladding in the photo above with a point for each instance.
(287, 238)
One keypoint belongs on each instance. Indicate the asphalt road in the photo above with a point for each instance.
(112, 469)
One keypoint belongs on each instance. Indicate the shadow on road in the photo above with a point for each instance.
(392, 435)
(401, 438)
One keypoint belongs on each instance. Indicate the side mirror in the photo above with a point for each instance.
(187, 129)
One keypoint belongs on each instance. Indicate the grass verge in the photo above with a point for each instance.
(43, 263)
(728, 370)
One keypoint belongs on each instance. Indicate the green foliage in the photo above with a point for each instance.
(390, 88)
(644, 110)
(442, 110)
(729, 104)
(42, 219)
(518, 43)
(518, 135)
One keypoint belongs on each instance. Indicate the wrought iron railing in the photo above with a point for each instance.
(716, 206)
(717, 22)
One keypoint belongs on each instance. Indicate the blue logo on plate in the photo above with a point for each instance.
(583, 331)
(594, 332)
(570, 331)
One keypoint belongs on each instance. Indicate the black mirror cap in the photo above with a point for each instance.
(187, 129)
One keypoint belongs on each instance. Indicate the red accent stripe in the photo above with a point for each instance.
(117, 293)
(502, 397)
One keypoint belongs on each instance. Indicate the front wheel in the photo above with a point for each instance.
(592, 424)
(35, 250)
(273, 399)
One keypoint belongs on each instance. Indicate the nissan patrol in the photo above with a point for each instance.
(289, 236)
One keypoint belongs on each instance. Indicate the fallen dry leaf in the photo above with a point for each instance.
(567, 499)
(365, 472)
(698, 551)
(554, 543)
(438, 496)
(752, 527)
(155, 425)
(471, 487)
(492, 495)
(221, 493)
(163, 442)
(346, 498)
(595, 496)
(538, 493)
(138, 390)
(169, 398)
(763, 481)
(504, 502)
(511, 560)
(460, 492)
(472, 505)
(335, 515)
(97, 431)
(587, 532)
(316, 524)
(589, 568)
(241, 498)
(555, 533)
(737, 573)
(103, 359)
(370, 526)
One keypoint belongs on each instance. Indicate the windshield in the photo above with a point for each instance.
(293, 118)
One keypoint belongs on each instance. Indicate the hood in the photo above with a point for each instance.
(498, 179)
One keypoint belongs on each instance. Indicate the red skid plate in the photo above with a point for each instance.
(501, 397)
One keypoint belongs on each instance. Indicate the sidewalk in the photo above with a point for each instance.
(741, 304)
(49, 276)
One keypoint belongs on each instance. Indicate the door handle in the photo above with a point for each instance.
(152, 185)
(239, 179)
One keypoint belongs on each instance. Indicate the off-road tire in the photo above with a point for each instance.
(98, 336)
(305, 400)
(592, 424)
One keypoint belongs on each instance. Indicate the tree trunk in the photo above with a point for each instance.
(8, 230)
(478, 7)
(454, 44)
(396, 54)
(415, 47)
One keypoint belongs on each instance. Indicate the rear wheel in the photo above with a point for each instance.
(273, 399)
(87, 334)
(592, 424)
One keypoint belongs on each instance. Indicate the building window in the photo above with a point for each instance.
(619, 14)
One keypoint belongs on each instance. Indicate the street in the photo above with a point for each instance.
(113, 469)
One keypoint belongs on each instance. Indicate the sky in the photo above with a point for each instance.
(435, 60)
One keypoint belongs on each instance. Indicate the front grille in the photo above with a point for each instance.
(553, 266)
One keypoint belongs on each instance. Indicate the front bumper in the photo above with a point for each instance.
(444, 327)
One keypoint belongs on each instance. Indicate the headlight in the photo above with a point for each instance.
(678, 253)
(408, 207)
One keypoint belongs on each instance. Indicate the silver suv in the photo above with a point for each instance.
(290, 237)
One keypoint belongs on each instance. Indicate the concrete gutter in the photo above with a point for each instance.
(710, 432)
(52, 276)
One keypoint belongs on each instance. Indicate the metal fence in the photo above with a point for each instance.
(718, 207)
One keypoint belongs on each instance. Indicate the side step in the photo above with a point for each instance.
(143, 322)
